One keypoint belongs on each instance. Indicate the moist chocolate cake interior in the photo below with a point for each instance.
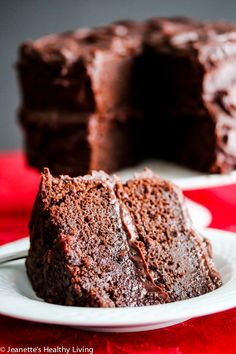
(164, 236)
(167, 85)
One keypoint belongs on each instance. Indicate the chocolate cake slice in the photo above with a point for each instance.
(95, 241)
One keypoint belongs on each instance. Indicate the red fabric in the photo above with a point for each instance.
(211, 334)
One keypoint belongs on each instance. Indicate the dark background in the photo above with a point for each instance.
(26, 19)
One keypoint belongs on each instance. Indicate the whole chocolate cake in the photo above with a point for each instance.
(107, 97)
(95, 241)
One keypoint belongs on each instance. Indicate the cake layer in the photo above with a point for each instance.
(172, 251)
(77, 143)
(176, 77)
(97, 242)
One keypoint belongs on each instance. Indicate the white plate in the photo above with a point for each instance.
(182, 176)
(18, 300)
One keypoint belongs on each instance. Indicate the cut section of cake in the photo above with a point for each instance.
(194, 65)
(100, 242)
